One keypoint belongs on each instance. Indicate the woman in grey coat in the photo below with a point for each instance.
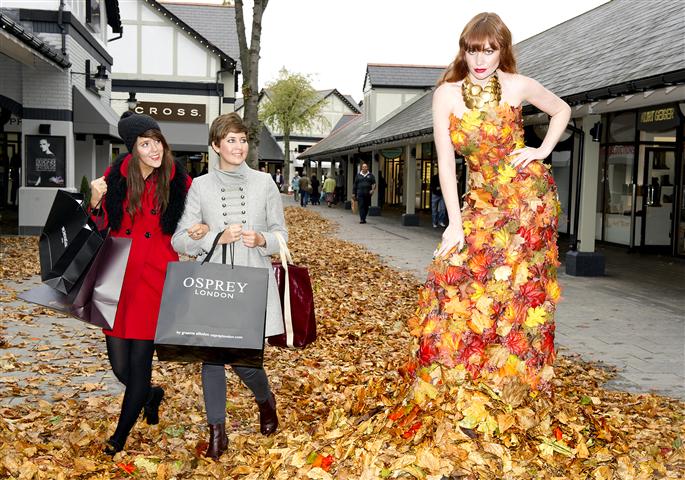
(246, 206)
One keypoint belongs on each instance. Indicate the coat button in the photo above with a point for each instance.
(223, 204)
(242, 203)
(225, 214)
(243, 212)
(225, 222)
(223, 198)
(153, 211)
(223, 189)
(242, 196)
(244, 221)
(240, 188)
(128, 231)
(148, 234)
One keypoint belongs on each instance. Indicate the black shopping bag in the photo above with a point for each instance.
(95, 297)
(213, 312)
(68, 243)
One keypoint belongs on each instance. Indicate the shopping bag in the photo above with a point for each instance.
(297, 301)
(213, 312)
(68, 243)
(95, 297)
(355, 206)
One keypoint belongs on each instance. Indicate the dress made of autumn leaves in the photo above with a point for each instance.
(484, 326)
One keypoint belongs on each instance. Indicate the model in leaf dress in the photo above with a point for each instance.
(484, 326)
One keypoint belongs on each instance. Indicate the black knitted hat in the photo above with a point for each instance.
(132, 125)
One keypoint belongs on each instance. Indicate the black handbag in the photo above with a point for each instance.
(68, 243)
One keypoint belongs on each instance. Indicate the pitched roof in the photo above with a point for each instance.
(268, 147)
(44, 48)
(402, 76)
(414, 120)
(617, 42)
(214, 24)
(320, 95)
(343, 120)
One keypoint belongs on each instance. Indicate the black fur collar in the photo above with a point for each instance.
(116, 195)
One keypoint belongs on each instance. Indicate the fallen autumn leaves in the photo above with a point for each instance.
(335, 399)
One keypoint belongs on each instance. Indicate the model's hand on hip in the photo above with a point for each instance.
(453, 236)
(253, 239)
(98, 188)
(521, 157)
(198, 231)
(231, 234)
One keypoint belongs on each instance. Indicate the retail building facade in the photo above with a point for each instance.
(57, 124)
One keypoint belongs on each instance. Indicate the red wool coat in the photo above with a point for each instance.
(151, 251)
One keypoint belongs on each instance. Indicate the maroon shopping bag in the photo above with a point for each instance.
(297, 303)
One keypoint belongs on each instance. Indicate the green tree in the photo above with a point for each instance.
(249, 61)
(291, 104)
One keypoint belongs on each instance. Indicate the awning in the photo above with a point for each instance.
(93, 117)
(186, 137)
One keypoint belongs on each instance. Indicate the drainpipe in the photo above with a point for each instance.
(218, 92)
(60, 24)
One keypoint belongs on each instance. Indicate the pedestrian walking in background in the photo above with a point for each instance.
(144, 193)
(362, 189)
(438, 211)
(246, 206)
(295, 184)
(314, 182)
(305, 190)
(329, 187)
(279, 179)
(340, 187)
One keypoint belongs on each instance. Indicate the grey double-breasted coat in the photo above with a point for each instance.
(245, 196)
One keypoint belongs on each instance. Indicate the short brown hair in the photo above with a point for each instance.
(484, 28)
(225, 124)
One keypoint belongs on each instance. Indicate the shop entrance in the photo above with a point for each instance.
(654, 204)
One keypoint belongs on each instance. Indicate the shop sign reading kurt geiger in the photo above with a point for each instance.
(173, 112)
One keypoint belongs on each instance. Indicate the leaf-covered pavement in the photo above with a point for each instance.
(336, 400)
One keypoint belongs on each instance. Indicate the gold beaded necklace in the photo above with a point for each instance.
(479, 97)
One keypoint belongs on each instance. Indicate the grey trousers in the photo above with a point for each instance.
(214, 388)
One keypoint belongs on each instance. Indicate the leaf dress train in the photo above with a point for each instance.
(484, 326)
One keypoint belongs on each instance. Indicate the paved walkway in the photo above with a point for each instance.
(632, 319)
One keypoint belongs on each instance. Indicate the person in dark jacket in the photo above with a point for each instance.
(314, 182)
(438, 210)
(145, 196)
(362, 189)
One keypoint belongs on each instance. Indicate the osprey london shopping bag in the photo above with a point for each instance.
(213, 312)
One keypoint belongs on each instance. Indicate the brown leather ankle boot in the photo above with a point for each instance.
(268, 419)
(218, 441)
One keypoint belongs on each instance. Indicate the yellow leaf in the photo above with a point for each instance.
(505, 174)
(522, 273)
(457, 307)
(505, 421)
(553, 290)
(424, 391)
(478, 290)
(479, 322)
(535, 316)
(501, 238)
(484, 305)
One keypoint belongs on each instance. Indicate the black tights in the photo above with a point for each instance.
(131, 362)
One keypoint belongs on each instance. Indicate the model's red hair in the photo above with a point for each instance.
(483, 29)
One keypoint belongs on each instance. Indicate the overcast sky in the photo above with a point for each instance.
(332, 41)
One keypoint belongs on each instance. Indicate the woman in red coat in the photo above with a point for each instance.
(145, 196)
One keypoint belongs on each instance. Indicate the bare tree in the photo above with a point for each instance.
(249, 59)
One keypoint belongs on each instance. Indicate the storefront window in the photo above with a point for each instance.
(621, 127)
(680, 245)
(618, 192)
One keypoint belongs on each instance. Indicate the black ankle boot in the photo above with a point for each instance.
(151, 409)
(268, 418)
(112, 447)
(218, 441)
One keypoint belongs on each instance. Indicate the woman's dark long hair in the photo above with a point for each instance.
(484, 28)
(161, 176)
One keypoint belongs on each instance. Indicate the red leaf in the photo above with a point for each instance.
(516, 342)
(558, 433)
(127, 467)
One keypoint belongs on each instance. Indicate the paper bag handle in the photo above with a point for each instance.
(287, 314)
